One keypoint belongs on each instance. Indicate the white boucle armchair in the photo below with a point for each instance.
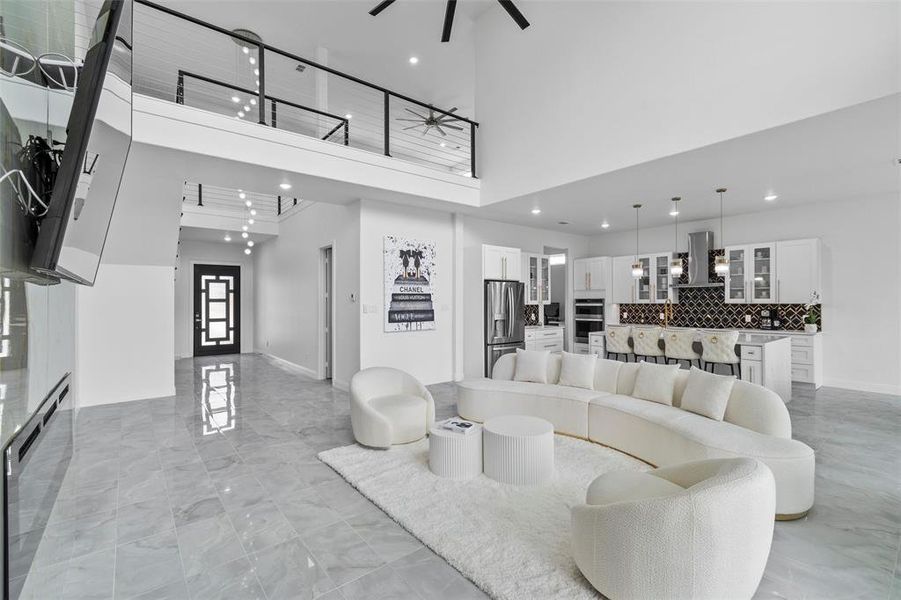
(697, 530)
(389, 406)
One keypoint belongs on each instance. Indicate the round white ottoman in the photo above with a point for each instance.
(519, 450)
(455, 455)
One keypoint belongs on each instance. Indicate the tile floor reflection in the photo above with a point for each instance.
(217, 493)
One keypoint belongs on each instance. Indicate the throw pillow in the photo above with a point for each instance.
(707, 394)
(577, 370)
(655, 382)
(531, 365)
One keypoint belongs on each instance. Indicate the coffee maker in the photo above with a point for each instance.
(769, 319)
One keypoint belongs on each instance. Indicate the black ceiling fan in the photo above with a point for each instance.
(449, 15)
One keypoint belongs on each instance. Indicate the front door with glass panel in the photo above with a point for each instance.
(217, 310)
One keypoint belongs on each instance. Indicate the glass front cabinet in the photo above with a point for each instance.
(538, 283)
(751, 277)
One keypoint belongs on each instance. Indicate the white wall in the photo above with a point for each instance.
(126, 335)
(191, 253)
(287, 278)
(595, 86)
(475, 232)
(427, 355)
(861, 288)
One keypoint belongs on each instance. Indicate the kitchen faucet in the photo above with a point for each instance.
(667, 312)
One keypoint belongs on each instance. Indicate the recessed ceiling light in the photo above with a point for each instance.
(536, 211)
(241, 113)
(247, 250)
(253, 61)
(285, 186)
(256, 72)
(253, 101)
(348, 116)
(258, 83)
(253, 212)
(245, 235)
(228, 238)
(248, 204)
(246, 108)
(241, 195)
(250, 243)
(770, 197)
(414, 60)
(244, 228)
(605, 225)
(235, 99)
(444, 144)
(250, 221)
(245, 49)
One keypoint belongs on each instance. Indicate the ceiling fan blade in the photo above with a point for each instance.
(441, 131)
(412, 127)
(410, 120)
(514, 12)
(426, 130)
(448, 20)
(423, 117)
(446, 119)
(380, 7)
(451, 126)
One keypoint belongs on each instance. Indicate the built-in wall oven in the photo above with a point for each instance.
(588, 317)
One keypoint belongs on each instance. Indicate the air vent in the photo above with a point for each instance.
(300, 68)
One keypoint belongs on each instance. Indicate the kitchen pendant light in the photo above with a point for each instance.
(637, 270)
(675, 265)
(721, 263)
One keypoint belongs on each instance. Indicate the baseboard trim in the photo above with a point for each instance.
(341, 385)
(864, 386)
(293, 366)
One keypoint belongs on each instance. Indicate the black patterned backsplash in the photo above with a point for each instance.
(706, 307)
(531, 314)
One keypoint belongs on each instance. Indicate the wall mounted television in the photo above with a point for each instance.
(73, 232)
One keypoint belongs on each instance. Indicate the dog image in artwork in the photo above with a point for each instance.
(409, 291)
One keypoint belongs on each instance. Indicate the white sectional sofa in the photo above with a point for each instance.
(756, 422)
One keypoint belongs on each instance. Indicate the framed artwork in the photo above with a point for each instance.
(410, 267)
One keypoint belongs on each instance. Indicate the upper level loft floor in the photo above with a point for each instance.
(204, 89)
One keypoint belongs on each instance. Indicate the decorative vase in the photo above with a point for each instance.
(810, 328)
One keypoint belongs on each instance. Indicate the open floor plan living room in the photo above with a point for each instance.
(541, 299)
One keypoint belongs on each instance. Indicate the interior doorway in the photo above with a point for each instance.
(555, 313)
(326, 328)
(217, 309)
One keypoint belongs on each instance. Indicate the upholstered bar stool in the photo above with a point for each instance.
(679, 346)
(719, 349)
(646, 342)
(618, 341)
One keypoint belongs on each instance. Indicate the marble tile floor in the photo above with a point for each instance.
(216, 492)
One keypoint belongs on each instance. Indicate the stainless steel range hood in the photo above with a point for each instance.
(699, 245)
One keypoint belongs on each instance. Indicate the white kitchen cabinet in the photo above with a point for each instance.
(643, 294)
(591, 274)
(499, 262)
(597, 344)
(545, 338)
(762, 273)
(623, 282)
(537, 271)
(752, 274)
(807, 359)
(661, 279)
(797, 270)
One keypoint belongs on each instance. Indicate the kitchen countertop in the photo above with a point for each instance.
(773, 332)
(540, 327)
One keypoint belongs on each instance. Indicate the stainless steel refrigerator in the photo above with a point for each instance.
(505, 325)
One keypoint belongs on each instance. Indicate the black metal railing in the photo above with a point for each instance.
(343, 123)
(453, 151)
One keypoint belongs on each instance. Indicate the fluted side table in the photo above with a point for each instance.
(455, 455)
(519, 450)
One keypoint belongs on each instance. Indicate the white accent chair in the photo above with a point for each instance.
(698, 530)
(617, 338)
(389, 406)
(719, 349)
(646, 343)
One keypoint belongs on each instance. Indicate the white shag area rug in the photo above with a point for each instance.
(511, 541)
